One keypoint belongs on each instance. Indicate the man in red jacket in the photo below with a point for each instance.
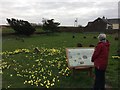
(100, 59)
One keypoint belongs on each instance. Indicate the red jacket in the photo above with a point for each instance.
(100, 55)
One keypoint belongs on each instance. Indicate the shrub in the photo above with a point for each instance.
(50, 25)
(95, 37)
(84, 37)
(118, 52)
(21, 27)
(79, 45)
(116, 38)
(73, 36)
(91, 45)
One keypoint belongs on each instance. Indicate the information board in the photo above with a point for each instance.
(79, 57)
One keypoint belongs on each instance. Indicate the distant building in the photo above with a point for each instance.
(103, 25)
(115, 23)
(98, 25)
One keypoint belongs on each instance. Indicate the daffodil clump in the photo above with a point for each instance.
(43, 69)
(17, 51)
(116, 57)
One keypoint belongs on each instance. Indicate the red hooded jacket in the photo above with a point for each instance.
(100, 55)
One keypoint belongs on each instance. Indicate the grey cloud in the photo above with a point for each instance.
(64, 12)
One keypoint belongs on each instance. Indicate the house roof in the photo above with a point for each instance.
(97, 20)
(103, 19)
(106, 21)
(114, 21)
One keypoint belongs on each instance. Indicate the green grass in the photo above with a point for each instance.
(10, 30)
(7, 30)
(25, 61)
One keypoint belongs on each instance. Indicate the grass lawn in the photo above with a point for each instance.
(25, 68)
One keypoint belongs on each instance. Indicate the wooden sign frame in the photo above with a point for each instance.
(79, 59)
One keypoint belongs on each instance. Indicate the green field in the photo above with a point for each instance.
(25, 68)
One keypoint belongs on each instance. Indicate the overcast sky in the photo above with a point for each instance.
(63, 11)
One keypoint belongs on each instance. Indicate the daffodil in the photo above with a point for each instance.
(41, 84)
(116, 57)
(11, 75)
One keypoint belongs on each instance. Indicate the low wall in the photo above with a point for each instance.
(112, 31)
(78, 29)
(71, 29)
